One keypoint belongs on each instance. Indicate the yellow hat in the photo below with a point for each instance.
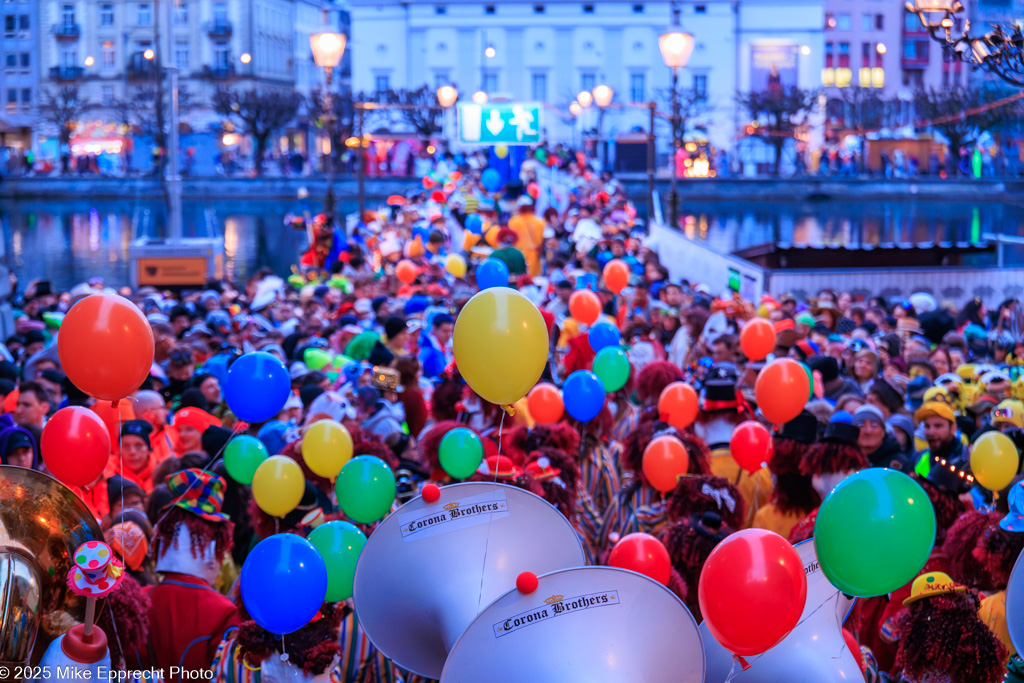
(966, 371)
(931, 393)
(935, 408)
(1009, 411)
(932, 584)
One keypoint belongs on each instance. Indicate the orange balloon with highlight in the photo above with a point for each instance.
(406, 271)
(665, 461)
(616, 275)
(678, 405)
(757, 339)
(545, 404)
(584, 306)
(781, 390)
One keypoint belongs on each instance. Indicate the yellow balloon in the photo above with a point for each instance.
(326, 447)
(501, 151)
(501, 345)
(491, 235)
(994, 460)
(278, 485)
(469, 240)
(456, 265)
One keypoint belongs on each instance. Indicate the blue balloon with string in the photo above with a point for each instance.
(492, 273)
(283, 582)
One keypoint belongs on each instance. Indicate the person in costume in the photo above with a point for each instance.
(793, 495)
(1000, 547)
(188, 617)
(689, 543)
(529, 230)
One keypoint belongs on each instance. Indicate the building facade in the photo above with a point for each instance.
(19, 81)
(116, 52)
(549, 51)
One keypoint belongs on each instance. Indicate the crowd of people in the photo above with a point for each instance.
(365, 329)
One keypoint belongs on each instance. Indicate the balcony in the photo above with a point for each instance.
(67, 73)
(219, 71)
(219, 28)
(140, 68)
(67, 31)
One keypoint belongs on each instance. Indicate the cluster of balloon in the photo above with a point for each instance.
(257, 387)
(874, 532)
(757, 339)
(106, 349)
(752, 591)
(994, 461)
(585, 306)
(611, 364)
(455, 264)
(665, 461)
(782, 389)
(242, 457)
(326, 447)
(460, 453)
(751, 445)
(584, 395)
(545, 404)
(366, 489)
(678, 405)
(815, 651)
(495, 325)
(644, 554)
(284, 583)
(492, 273)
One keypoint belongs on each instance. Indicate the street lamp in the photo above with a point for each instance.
(676, 48)
(602, 96)
(446, 97)
(585, 98)
(148, 54)
(245, 58)
(480, 97)
(327, 51)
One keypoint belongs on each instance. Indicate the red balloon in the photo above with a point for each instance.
(584, 306)
(438, 196)
(751, 445)
(75, 446)
(105, 346)
(752, 591)
(406, 271)
(678, 405)
(757, 339)
(851, 642)
(665, 460)
(532, 190)
(545, 404)
(616, 275)
(644, 554)
(113, 418)
(428, 182)
(781, 390)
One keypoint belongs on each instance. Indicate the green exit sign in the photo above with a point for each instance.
(504, 123)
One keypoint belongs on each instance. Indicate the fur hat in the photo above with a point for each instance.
(653, 379)
(689, 543)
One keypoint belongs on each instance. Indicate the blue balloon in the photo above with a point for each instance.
(474, 223)
(583, 393)
(257, 387)
(284, 583)
(491, 180)
(602, 335)
(492, 273)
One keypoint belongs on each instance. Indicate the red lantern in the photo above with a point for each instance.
(75, 446)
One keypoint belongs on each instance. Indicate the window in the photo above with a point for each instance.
(830, 55)
(12, 100)
(637, 88)
(843, 22)
(588, 81)
(12, 60)
(588, 9)
(220, 13)
(867, 21)
(26, 60)
(108, 94)
(539, 87)
(489, 9)
(878, 77)
(10, 24)
(180, 12)
(865, 77)
(107, 55)
(440, 9)
(865, 54)
(490, 82)
(879, 22)
(913, 78)
(181, 54)
(144, 17)
(911, 24)
(638, 8)
(221, 56)
(700, 87)
(23, 22)
(538, 9)
(107, 14)
(844, 54)
(700, 9)
(69, 58)
(382, 82)
(26, 99)
(441, 78)
(67, 15)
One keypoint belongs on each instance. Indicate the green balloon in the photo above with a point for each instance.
(611, 364)
(242, 456)
(366, 489)
(874, 532)
(340, 544)
(316, 359)
(460, 453)
(810, 380)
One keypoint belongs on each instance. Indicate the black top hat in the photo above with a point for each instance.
(802, 428)
(842, 432)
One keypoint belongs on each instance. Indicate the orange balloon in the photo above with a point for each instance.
(757, 339)
(665, 460)
(105, 346)
(616, 275)
(781, 390)
(406, 271)
(584, 306)
(678, 405)
(545, 404)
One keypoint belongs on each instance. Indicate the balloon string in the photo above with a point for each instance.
(120, 446)
(490, 518)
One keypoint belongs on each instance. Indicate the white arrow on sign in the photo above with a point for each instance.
(494, 122)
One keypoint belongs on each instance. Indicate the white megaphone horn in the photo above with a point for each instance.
(429, 568)
(813, 652)
(586, 624)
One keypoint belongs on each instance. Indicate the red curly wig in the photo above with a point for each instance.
(523, 440)
(653, 379)
(943, 636)
(697, 494)
(999, 550)
(310, 649)
(202, 531)
(832, 456)
(430, 443)
(793, 490)
(948, 506)
(124, 618)
(962, 547)
(561, 495)
(635, 443)
(689, 542)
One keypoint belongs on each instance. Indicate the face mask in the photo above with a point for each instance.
(824, 483)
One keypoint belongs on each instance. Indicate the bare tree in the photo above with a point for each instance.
(778, 112)
(260, 112)
(342, 115)
(692, 105)
(61, 108)
(418, 108)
